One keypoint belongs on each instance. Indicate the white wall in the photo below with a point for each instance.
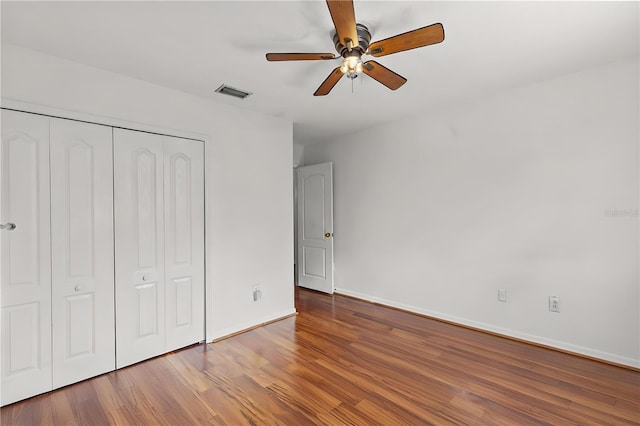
(519, 192)
(248, 174)
(298, 155)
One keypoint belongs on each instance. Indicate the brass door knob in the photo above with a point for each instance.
(327, 235)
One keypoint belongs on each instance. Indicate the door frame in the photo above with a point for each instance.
(206, 139)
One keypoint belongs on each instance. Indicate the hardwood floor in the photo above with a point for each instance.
(344, 361)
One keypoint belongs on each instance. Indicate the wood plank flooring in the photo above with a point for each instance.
(344, 361)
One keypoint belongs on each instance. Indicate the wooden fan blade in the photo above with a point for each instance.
(421, 37)
(383, 74)
(344, 19)
(299, 56)
(329, 82)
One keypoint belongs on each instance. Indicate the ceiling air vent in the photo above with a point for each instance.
(236, 93)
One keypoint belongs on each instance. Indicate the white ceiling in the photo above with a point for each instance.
(194, 47)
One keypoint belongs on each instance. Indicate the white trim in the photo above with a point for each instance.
(246, 326)
(605, 356)
(97, 119)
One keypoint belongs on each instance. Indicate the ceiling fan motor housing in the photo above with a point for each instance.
(364, 38)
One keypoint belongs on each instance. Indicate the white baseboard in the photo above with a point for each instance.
(593, 353)
(246, 326)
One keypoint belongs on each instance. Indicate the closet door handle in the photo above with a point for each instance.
(8, 226)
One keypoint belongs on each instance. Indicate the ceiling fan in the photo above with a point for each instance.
(352, 42)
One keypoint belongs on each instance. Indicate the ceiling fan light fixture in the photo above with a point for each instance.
(351, 66)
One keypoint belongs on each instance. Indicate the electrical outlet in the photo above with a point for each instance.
(554, 303)
(257, 293)
(502, 295)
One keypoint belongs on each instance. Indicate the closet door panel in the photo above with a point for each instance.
(26, 265)
(184, 241)
(139, 229)
(82, 255)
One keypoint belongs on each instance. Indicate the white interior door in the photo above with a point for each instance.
(26, 260)
(139, 246)
(315, 227)
(82, 251)
(184, 241)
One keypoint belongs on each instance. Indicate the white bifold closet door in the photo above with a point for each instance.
(82, 251)
(184, 241)
(26, 257)
(159, 222)
(139, 251)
